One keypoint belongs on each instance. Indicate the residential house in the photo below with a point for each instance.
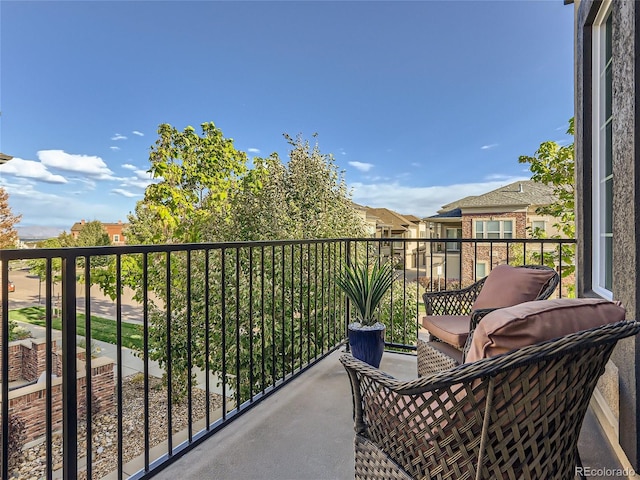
(504, 213)
(114, 230)
(607, 149)
(370, 221)
(4, 158)
(390, 224)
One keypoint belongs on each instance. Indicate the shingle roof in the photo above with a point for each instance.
(391, 218)
(455, 213)
(522, 193)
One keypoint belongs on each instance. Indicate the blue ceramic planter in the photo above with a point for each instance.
(367, 344)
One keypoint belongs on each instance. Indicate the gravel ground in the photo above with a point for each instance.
(105, 430)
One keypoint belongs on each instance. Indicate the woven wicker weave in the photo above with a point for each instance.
(516, 415)
(459, 302)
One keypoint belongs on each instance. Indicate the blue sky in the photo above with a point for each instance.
(420, 102)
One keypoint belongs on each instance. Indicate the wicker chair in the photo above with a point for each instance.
(516, 415)
(435, 354)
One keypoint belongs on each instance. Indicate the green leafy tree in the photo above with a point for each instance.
(93, 234)
(205, 192)
(196, 175)
(554, 165)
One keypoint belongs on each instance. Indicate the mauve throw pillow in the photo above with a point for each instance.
(507, 329)
(506, 286)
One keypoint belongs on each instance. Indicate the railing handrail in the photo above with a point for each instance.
(32, 253)
(300, 295)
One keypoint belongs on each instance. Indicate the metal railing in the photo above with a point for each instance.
(227, 322)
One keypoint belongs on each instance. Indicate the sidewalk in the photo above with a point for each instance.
(131, 362)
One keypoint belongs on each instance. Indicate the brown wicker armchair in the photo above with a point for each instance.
(454, 314)
(516, 415)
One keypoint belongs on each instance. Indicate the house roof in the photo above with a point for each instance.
(76, 227)
(521, 193)
(4, 158)
(455, 213)
(390, 218)
(412, 218)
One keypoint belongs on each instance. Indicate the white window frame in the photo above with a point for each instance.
(116, 238)
(542, 229)
(484, 265)
(602, 272)
(485, 229)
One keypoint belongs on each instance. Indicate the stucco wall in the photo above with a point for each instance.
(626, 199)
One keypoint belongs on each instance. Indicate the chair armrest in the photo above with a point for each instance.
(452, 302)
(476, 317)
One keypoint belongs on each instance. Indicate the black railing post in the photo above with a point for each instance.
(5, 369)
(69, 385)
(347, 310)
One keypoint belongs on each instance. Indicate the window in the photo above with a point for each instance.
(481, 270)
(494, 228)
(537, 225)
(602, 154)
(116, 238)
(454, 233)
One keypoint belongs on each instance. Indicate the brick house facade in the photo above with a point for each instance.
(508, 212)
(114, 230)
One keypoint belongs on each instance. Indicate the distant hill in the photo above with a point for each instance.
(38, 232)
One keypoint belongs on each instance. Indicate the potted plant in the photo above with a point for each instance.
(365, 287)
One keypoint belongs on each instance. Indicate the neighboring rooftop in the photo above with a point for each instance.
(521, 193)
(393, 219)
(4, 158)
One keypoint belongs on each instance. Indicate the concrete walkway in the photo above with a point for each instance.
(305, 431)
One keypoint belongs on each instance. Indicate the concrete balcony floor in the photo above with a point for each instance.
(305, 431)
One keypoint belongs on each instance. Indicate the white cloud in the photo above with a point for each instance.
(124, 193)
(363, 167)
(61, 210)
(31, 169)
(141, 179)
(415, 164)
(420, 201)
(488, 147)
(117, 136)
(113, 147)
(89, 165)
(253, 150)
(136, 132)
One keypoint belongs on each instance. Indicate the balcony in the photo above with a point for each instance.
(265, 317)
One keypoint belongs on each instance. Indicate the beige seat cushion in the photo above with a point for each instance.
(507, 329)
(452, 329)
(506, 286)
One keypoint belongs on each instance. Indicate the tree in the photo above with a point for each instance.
(205, 192)
(8, 233)
(196, 176)
(93, 234)
(305, 198)
(554, 165)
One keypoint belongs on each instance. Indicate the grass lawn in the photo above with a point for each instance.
(102, 329)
